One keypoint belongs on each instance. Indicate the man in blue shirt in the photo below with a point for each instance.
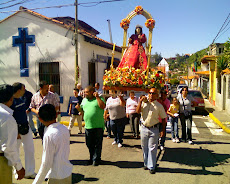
(24, 132)
(73, 112)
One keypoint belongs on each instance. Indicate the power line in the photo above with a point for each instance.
(7, 2)
(221, 28)
(223, 33)
(61, 6)
(21, 2)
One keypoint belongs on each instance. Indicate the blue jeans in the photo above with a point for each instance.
(41, 128)
(149, 142)
(174, 127)
(117, 127)
(93, 139)
(31, 122)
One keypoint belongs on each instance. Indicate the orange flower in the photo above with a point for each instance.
(125, 23)
(139, 10)
(150, 23)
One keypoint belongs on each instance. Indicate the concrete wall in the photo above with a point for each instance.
(222, 100)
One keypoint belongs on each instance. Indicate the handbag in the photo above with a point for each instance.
(187, 113)
(23, 129)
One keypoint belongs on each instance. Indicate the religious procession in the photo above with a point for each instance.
(130, 102)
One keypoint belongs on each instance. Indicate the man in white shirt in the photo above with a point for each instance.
(56, 149)
(9, 155)
(97, 89)
(150, 110)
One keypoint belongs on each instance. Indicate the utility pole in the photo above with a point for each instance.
(110, 32)
(76, 43)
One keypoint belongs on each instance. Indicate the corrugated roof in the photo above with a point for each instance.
(203, 72)
(226, 71)
(190, 77)
(208, 58)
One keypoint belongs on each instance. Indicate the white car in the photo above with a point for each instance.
(180, 86)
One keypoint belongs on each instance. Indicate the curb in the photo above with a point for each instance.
(218, 122)
(66, 123)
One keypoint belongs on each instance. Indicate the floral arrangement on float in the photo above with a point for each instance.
(139, 10)
(125, 23)
(150, 23)
(134, 78)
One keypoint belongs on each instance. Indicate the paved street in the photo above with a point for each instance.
(207, 161)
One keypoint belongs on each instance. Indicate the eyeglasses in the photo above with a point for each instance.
(152, 93)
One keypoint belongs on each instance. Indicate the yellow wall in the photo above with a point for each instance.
(214, 86)
(212, 83)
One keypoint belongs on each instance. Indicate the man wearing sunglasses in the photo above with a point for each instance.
(150, 110)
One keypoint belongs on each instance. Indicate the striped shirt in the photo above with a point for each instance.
(55, 157)
(37, 100)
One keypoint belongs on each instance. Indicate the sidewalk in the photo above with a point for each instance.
(222, 118)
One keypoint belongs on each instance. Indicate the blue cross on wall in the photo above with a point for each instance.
(23, 41)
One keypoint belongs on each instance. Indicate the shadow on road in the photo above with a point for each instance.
(74, 142)
(209, 142)
(188, 171)
(120, 164)
(193, 157)
(76, 178)
(209, 109)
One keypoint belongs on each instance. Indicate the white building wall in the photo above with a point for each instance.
(227, 94)
(50, 44)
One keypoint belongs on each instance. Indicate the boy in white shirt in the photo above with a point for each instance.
(56, 149)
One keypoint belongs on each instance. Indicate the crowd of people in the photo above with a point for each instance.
(149, 113)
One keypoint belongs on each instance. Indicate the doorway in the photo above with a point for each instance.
(92, 73)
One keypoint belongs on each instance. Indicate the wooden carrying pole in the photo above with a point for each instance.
(113, 52)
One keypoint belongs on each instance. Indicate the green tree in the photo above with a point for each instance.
(227, 51)
(155, 59)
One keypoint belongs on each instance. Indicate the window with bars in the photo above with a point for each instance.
(49, 72)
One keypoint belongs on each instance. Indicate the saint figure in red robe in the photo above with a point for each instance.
(135, 55)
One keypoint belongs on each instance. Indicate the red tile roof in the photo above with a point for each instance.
(81, 31)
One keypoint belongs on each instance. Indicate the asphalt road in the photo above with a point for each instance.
(205, 162)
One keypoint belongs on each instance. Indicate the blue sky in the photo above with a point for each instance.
(182, 26)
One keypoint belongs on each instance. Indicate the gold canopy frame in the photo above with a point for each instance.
(130, 16)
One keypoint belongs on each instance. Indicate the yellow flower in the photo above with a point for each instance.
(146, 82)
(152, 76)
(146, 77)
(119, 79)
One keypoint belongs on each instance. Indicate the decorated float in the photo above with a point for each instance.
(134, 72)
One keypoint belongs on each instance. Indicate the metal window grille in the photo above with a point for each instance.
(49, 72)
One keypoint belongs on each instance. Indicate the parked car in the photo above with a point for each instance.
(180, 86)
(199, 105)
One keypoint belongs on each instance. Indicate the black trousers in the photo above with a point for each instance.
(183, 127)
(94, 138)
(134, 121)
